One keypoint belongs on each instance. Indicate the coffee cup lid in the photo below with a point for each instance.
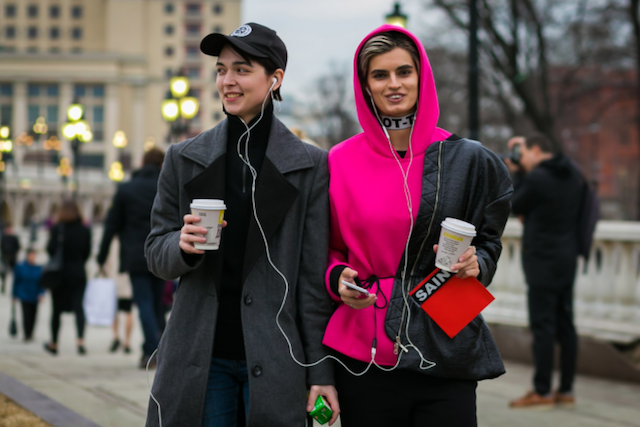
(214, 204)
(459, 226)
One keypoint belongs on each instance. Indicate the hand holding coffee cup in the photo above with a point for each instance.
(453, 251)
(208, 215)
(467, 265)
(190, 233)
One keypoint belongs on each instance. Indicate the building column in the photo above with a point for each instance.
(111, 124)
(66, 98)
(19, 118)
(137, 138)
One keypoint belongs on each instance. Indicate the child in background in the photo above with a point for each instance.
(26, 288)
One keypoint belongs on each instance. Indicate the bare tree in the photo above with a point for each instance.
(334, 109)
(561, 67)
(524, 41)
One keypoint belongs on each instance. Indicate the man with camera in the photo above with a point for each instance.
(546, 198)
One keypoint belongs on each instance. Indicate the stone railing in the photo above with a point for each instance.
(607, 293)
(607, 289)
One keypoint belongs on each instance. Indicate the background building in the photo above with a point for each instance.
(115, 57)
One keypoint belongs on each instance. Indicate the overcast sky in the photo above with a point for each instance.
(317, 32)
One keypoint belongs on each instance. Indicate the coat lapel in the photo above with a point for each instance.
(208, 150)
(275, 194)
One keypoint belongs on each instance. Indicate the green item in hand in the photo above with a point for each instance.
(321, 411)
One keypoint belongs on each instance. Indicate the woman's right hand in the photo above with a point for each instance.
(351, 297)
(188, 234)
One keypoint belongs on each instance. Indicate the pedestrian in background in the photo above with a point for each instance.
(9, 246)
(76, 247)
(547, 193)
(26, 289)
(129, 219)
(125, 305)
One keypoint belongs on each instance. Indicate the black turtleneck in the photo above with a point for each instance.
(229, 343)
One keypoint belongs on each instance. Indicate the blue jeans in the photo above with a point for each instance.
(226, 379)
(147, 294)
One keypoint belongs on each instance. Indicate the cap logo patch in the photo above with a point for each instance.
(243, 31)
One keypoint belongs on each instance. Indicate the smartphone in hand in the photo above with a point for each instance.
(355, 287)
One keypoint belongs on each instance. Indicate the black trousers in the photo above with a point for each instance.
(29, 313)
(551, 320)
(404, 398)
(69, 301)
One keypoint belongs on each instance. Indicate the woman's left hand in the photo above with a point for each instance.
(467, 265)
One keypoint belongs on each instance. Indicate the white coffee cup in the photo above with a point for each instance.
(455, 239)
(211, 213)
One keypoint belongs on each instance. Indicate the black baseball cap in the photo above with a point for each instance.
(251, 38)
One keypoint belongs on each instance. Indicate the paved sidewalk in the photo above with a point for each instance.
(111, 391)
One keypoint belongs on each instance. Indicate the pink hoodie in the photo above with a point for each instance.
(370, 219)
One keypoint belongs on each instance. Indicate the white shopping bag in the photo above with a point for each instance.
(100, 301)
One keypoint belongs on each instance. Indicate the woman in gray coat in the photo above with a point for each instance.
(240, 330)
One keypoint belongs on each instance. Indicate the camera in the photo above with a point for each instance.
(515, 154)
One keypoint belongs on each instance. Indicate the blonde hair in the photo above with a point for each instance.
(383, 43)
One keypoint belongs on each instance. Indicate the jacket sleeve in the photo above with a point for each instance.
(495, 216)
(87, 244)
(17, 280)
(112, 226)
(165, 259)
(488, 243)
(53, 240)
(338, 250)
(314, 306)
(525, 194)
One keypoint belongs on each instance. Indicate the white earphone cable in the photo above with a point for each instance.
(407, 193)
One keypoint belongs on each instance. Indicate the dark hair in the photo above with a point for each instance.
(269, 66)
(542, 142)
(69, 211)
(154, 156)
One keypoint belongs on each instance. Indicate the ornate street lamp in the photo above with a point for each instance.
(64, 170)
(116, 173)
(179, 107)
(76, 131)
(474, 86)
(6, 147)
(397, 17)
(38, 129)
(119, 139)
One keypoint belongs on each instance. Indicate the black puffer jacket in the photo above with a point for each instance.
(130, 218)
(463, 180)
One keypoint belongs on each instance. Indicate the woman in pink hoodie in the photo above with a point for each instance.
(390, 188)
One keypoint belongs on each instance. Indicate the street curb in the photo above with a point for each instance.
(49, 410)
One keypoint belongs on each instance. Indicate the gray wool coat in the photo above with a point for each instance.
(292, 205)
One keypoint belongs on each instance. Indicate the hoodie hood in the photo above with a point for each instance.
(425, 131)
